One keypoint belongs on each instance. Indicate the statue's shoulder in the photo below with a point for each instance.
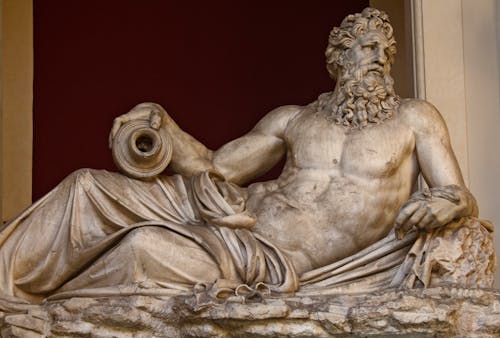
(421, 116)
(286, 112)
(276, 121)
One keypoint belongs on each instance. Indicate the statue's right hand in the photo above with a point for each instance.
(144, 111)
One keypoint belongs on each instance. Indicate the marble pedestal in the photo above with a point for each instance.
(436, 312)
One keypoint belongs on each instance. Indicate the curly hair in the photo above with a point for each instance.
(352, 27)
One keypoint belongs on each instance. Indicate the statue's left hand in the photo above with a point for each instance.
(432, 208)
(424, 215)
(144, 111)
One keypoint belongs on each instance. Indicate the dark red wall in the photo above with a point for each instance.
(216, 66)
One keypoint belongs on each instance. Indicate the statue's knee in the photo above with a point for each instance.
(81, 172)
(81, 175)
(141, 239)
(87, 178)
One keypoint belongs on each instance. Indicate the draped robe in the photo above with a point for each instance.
(102, 233)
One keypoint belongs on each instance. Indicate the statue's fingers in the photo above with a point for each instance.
(117, 123)
(155, 119)
(427, 221)
(415, 218)
(435, 219)
(405, 213)
(112, 134)
(411, 222)
(402, 218)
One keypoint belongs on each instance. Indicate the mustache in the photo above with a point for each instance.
(359, 72)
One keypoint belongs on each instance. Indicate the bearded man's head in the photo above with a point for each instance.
(353, 27)
(359, 56)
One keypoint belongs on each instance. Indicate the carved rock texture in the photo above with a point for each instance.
(436, 312)
(464, 255)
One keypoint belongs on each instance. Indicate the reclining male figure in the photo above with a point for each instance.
(352, 161)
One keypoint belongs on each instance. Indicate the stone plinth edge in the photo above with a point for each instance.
(436, 312)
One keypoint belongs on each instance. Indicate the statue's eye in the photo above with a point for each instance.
(368, 48)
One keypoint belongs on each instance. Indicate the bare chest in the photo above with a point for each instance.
(376, 151)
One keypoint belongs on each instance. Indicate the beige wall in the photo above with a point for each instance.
(443, 69)
(482, 95)
(17, 89)
(461, 76)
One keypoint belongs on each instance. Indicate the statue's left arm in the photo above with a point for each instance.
(448, 198)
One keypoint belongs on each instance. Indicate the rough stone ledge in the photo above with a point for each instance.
(436, 312)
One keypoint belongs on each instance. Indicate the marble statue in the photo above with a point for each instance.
(344, 216)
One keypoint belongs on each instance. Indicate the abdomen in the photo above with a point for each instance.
(320, 218)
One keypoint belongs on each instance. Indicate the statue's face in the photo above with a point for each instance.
(371, 53)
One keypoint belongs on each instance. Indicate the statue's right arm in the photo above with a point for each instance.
(256, 152)
(238, 161)
(189, 156)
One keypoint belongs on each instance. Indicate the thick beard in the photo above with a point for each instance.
(360, 98)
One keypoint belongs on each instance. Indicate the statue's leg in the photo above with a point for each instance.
(60, 235)
(149, 256)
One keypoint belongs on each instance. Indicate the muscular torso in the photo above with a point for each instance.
(339, 191)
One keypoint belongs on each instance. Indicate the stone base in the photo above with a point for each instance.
(436, 312)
